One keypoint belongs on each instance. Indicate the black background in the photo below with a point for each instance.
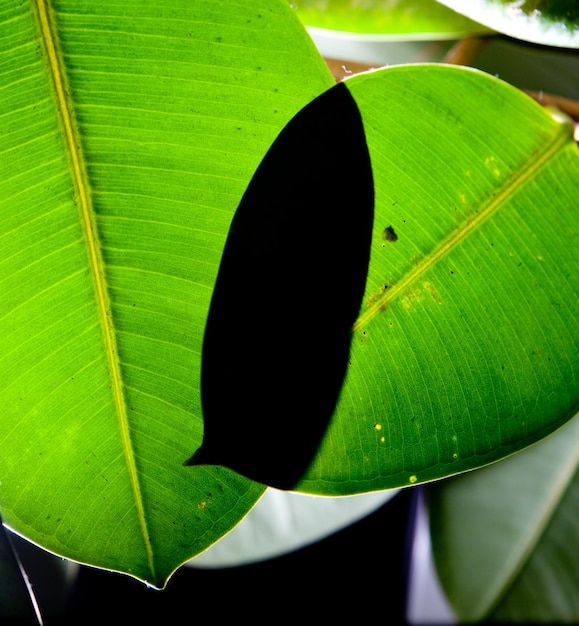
(356, 574)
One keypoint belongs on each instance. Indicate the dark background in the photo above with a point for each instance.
(354, 575)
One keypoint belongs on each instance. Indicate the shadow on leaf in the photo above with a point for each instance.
(288, 291)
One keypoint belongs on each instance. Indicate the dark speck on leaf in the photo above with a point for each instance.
(389, 234)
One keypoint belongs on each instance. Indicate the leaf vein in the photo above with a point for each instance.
(527, 172)
(54, 62)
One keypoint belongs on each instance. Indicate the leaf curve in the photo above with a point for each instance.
(123, 171)
(540, 21)
(466, 349)
(498, 533)
(400, 19)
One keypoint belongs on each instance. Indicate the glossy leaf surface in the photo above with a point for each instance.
(505, 537)
(129, 131)
(539, 21)
(414, 19)
(466, 349)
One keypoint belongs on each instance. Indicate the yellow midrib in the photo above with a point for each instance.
(95, 261)
(560, 138)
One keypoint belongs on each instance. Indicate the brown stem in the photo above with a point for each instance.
(566, 105)
(465, 51)
(342, 69)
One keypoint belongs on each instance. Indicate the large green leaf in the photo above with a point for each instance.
(414, 19)
(505, 538)
(129, 131)
(466, 348)
(548, 22)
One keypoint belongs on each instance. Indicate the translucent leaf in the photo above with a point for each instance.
(129, 132)
(466, 347)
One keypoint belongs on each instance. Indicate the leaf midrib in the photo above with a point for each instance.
(95, 261)
(530, 169)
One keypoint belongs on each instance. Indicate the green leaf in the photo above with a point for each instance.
(128, 134)
(547, 22)
(466, 348)
(415, 19)
(505, 537)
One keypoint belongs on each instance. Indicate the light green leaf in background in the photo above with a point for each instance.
(284, 521)
(404, 19)
(539, 21)
(128, 133)
(466, 347)
(505, 538)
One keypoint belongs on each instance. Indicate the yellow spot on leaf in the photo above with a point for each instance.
(411, 297)
(433, 292)
(412, 479)
(491, 164)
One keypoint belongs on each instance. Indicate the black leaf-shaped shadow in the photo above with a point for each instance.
(289, 289)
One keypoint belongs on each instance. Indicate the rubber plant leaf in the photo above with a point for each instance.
(466, 348)
(396, 19)
(129, 132)
(505, 537)
(538, 21)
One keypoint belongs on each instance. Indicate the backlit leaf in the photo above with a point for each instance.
(128, 133)
(466, 348)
